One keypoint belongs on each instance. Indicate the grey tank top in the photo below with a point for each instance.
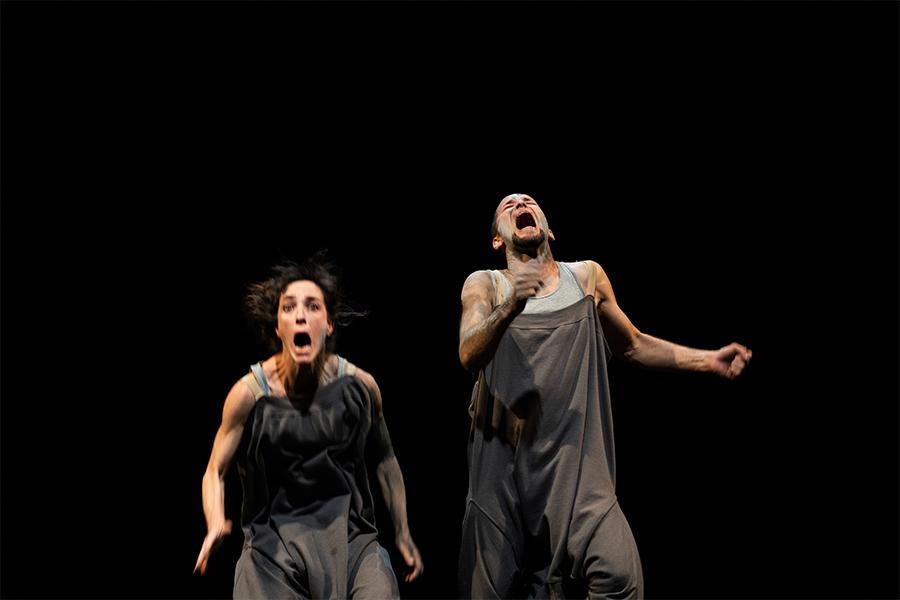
(568, 291)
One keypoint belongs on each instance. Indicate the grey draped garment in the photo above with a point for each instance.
(307, 513)
(541, 455)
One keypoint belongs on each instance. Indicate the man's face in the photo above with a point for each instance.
(303, 323)
(521, 223)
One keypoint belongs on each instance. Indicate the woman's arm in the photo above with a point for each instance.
(390, 480)
(238, 405)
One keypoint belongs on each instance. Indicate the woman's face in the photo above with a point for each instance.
(303, 322)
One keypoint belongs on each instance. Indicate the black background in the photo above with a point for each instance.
(732, 166)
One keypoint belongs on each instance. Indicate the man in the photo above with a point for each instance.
(541, 515)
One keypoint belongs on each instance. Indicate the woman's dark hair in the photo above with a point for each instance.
(261, 301)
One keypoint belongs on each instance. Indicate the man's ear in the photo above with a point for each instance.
(550, 235)
(497, 242)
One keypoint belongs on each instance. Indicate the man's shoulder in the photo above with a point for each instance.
(586, 272)
(583, 266)
(479, 284)
(481, 277)
(578, 263)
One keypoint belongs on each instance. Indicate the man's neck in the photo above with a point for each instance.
(542, 257)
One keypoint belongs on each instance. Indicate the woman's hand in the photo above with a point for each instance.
(410, 555)
(214, 538)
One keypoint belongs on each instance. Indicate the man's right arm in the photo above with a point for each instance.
(482, 324)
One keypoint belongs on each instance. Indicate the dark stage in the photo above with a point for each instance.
(733, 167)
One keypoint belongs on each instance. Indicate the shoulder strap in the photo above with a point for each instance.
(500, 284)
(566, 272)
(256, 381)
(592, 275)
(592, 281)
(250, 380)
(344, 367)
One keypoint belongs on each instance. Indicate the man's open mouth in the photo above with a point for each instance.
(302, 339)
(524, 219)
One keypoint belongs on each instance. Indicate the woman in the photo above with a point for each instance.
(301, 424)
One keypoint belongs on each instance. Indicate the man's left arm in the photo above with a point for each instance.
(636, 347)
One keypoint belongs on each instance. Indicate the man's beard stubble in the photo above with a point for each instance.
(530, 243)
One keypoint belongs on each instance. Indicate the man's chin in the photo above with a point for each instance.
(531, 242)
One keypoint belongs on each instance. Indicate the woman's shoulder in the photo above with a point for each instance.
(363, 377)
(261, 380)
(344, 367)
